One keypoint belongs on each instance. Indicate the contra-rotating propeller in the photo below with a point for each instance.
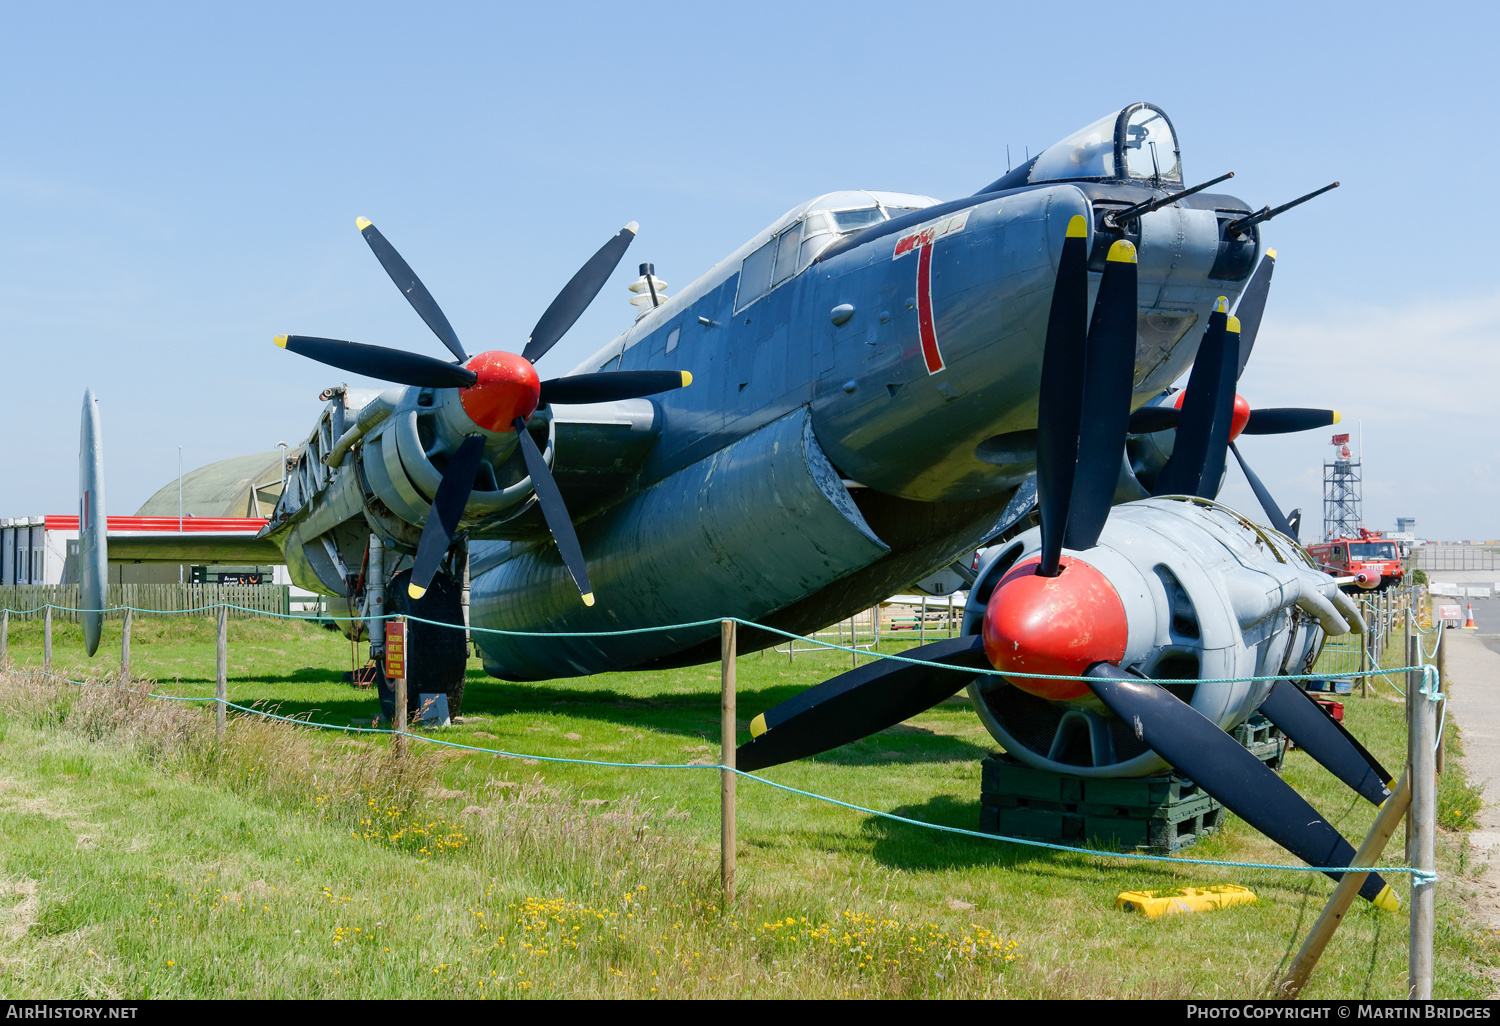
(1059, 615)
(499, 391)
(1208, 416)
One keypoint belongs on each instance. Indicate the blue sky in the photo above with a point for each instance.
(179, 183)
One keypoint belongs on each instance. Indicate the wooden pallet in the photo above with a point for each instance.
(1153, 814)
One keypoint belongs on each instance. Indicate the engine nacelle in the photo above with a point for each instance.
(1203, 594)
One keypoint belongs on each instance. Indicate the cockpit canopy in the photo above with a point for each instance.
(802, 233)
(1134, 144)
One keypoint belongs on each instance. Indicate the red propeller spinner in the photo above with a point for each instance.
(1061, 625)
(508, 388)
(1237, 420)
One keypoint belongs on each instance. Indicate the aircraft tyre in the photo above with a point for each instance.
(438, 655)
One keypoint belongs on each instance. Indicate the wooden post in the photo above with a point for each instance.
(727, 744)
(1347, 890)
(221, 688)
(1422, 852)
(4, 639)
(47, 638)
(396, 655)
(125, 644)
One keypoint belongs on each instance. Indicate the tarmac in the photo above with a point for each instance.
(1473, 688)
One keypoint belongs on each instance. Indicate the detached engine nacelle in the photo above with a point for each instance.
(1175, 589)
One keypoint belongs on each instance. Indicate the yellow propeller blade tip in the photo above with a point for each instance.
(1388, 900)
(687, 378)
(588, 598)
(361, 223)
(1078, 227)
(414, 591)
(634, 227)
(1222, 305)
(758, 725)
(1271, 253)
(281, 341)
(1233, 325)
(1122, 252)
(1337, 416)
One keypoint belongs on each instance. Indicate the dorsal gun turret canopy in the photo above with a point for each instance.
(1136, 144)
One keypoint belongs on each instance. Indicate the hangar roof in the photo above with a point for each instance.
(245, 486)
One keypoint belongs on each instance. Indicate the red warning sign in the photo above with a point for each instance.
(395, 649)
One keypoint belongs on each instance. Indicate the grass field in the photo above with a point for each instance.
(143, 857)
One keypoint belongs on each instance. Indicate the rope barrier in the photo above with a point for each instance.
(744, 623)
(1418, 876)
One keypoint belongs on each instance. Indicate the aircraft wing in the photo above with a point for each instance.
(197, 540)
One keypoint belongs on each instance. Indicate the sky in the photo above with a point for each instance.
(179, 184)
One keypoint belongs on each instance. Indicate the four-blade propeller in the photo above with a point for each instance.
(499, 391)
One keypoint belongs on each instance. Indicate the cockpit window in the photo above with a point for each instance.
(1150, 146)
(1089, 153)
(1137, 142)
(854, 220)
(786, 253)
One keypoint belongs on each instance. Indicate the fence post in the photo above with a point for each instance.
(727, 651)
(125, 644)
(853, 643)
(1443, 682)
(950, 614)
(47, 638)
(922, 623)
(399, 741)
(1366, 640)
(221, 689)
(1422, 848)
(4, 639)
(875, 626)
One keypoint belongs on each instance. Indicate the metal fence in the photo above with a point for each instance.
(1455, 557)
(265, 598)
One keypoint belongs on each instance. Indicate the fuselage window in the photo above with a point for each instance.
(755, 275)
(672, 338)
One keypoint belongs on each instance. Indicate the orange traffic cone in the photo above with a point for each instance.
(1469, 624)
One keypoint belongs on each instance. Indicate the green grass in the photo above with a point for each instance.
(274, 816)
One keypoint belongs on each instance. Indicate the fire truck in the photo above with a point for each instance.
(1371, 559)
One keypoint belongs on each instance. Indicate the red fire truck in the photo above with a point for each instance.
(1373, 561)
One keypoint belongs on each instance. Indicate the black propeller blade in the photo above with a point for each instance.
(858, 703)
(1202, 442)
(555, 513)
(447, 509)
(1197, 748)
(1252, 306)
(1285, 420)
(603, 388)
(1154, 418)
(1060, 398)
(411, 287)
(577, 294)
(1108, 379)
(1325, 739)
(379, 362)
(1269, 421)
(1273, 512)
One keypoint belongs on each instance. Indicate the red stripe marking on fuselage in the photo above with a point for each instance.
(930, 351)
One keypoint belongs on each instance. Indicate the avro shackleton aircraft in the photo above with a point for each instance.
(871, 386)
